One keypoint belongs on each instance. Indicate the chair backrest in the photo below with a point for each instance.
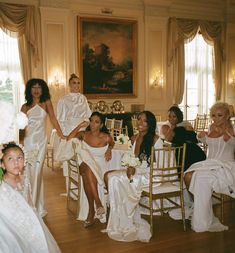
(109, 123)
(117, 128)
(202, 123)
(158, 117)
(134, 125)
(167, 165)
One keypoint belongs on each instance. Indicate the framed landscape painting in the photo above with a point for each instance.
(108, 57)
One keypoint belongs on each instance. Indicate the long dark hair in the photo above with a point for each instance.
(102, 120)
(146, 145)
(178, 113)
(28, 93)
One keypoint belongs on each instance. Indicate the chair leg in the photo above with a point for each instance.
(183, 211)
(52, 160)
(222, 208)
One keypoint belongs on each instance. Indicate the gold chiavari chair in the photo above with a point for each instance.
(166, 181)
(201, 123)
(134, 125)
(109, 123)
(158, 117)
(117, 128)
(50, 149)
(74, 186)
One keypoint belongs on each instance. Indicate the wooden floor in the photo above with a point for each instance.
(169, 236)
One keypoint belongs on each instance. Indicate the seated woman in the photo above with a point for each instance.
(179, 132)
(125, 186)
(22, 229)
(93, 154)
(216, 173)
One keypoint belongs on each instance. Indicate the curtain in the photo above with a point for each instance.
(182, 31)
(23, 22)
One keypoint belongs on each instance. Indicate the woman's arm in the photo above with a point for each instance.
(74, 133)
(22, 131)
(108, 153)
(50, 110)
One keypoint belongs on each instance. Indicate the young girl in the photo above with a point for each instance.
(22, 230)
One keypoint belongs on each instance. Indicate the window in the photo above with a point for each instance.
(199, 93)
(11, 82)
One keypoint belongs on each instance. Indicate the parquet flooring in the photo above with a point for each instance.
(169, 236)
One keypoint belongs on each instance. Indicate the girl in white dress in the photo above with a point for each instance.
(73, 112)
(22, 230)
(34, 137)
(125, 186)
(93, 154)
(216, 173)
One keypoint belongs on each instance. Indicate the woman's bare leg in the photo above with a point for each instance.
(187, 178)
(90, 187)
(106, 177)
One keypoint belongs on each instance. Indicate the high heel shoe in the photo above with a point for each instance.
(100, 211)
(88, 223)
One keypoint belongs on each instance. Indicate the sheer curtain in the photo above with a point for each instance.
(11, 82)
(199, 92)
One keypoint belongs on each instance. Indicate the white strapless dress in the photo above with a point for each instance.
(35, 144)
(93, 156)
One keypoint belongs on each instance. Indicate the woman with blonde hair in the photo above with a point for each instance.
(72, 112)
(216, 173)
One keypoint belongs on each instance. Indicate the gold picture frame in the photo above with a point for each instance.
(107, 57)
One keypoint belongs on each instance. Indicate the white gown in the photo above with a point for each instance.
(94, 158)
(22, 229)
(72, 110)
(125, 223)
(35, 144)
(216, 173)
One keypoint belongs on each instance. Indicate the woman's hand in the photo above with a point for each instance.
(130, 171)
(108, 154)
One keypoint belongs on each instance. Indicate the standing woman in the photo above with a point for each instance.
(37, 106)
(72, 111)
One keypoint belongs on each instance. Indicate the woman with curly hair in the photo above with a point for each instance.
(38, 105)
(125, 185)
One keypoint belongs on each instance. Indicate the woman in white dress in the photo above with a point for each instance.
(73, 112)
(125, 186)
(37, 106)
(22, 229)
(93, 153)
(216, 173)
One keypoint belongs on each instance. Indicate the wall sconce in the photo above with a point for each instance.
(231, 80)
(56, 81)
(157, 81)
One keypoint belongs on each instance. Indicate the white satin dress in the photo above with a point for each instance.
(22, 229)
(35, 144)
(94, 158)
(125, 222)
(72, 110)
(216, 173)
